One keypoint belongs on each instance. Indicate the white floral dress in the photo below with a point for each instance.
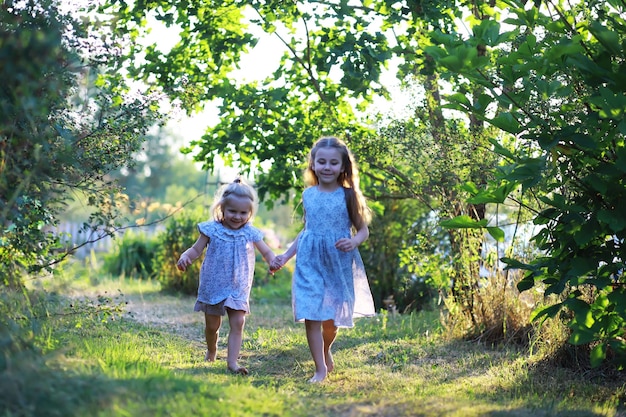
(328, 283)
(228, 267)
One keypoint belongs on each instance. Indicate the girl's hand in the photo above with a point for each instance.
(345, 244)
(183, 263)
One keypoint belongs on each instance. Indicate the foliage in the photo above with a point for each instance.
(555, 76)
(395, 278)
(180, 234)
(133, 256)
(67, 118)
(428, 174)
(529, 72)
(278, 120)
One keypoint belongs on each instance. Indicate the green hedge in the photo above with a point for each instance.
(133, 256)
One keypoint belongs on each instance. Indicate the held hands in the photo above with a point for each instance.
(345, 244)
(277, 263)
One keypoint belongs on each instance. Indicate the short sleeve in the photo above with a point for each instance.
(208, 228)
(254, 234)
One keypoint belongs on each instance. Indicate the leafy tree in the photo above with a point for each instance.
(67, 118)
(275, 121)
(554, 80)
(334, 56)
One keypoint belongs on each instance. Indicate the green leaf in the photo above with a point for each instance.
(507, 122)
(618, 298)
(543, 313)
(515, 264)
(582, 336)
(501, 150)
(496, 233)
(488, 31)
(470, 187)
(460, 99)
(581, 266)
(463, 222)
(528, 170)
(582, 312)
(453, 63)
(583, 140)
(614, 219)
(525, 284)
(597, 355)
(608, 38)
(493, 195)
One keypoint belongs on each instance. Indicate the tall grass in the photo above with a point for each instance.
(148, 361)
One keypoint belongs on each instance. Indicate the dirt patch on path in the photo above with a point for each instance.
(170, 313)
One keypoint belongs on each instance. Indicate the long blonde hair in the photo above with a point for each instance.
(360, 213)
(237, 188)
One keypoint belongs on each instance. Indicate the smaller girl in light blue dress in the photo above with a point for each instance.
(329, 285)
(228, 267)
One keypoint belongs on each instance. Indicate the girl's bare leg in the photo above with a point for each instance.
(236, 319)
(316, 346)
(211, 334)
(329, 334)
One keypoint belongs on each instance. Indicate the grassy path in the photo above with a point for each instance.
(150, 363)
(387, 366)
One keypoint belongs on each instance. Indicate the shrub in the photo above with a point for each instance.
(399, 242)
(133, 256)
(499, 313)
(180, 233)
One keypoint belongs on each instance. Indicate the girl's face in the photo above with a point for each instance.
(327, 166)
(237, 211)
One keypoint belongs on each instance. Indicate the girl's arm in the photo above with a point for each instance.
(193, 252)
(292, 250)
(280, 260)
(265, 251)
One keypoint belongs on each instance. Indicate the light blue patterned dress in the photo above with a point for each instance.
(328, 283)
(228, 267)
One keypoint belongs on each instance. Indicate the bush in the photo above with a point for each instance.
(133, 256)
(180, 233)
(499, 313)
(394, 255)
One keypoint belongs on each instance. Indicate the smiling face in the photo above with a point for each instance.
(237, 211)
(327, 165)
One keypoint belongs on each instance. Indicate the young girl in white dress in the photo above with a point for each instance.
(329, 286)
(228, 267)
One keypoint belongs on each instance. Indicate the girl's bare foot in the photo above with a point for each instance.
(318, 377)
(240, 370)
(210, 356)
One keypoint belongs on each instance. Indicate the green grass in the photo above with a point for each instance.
(149, 362)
